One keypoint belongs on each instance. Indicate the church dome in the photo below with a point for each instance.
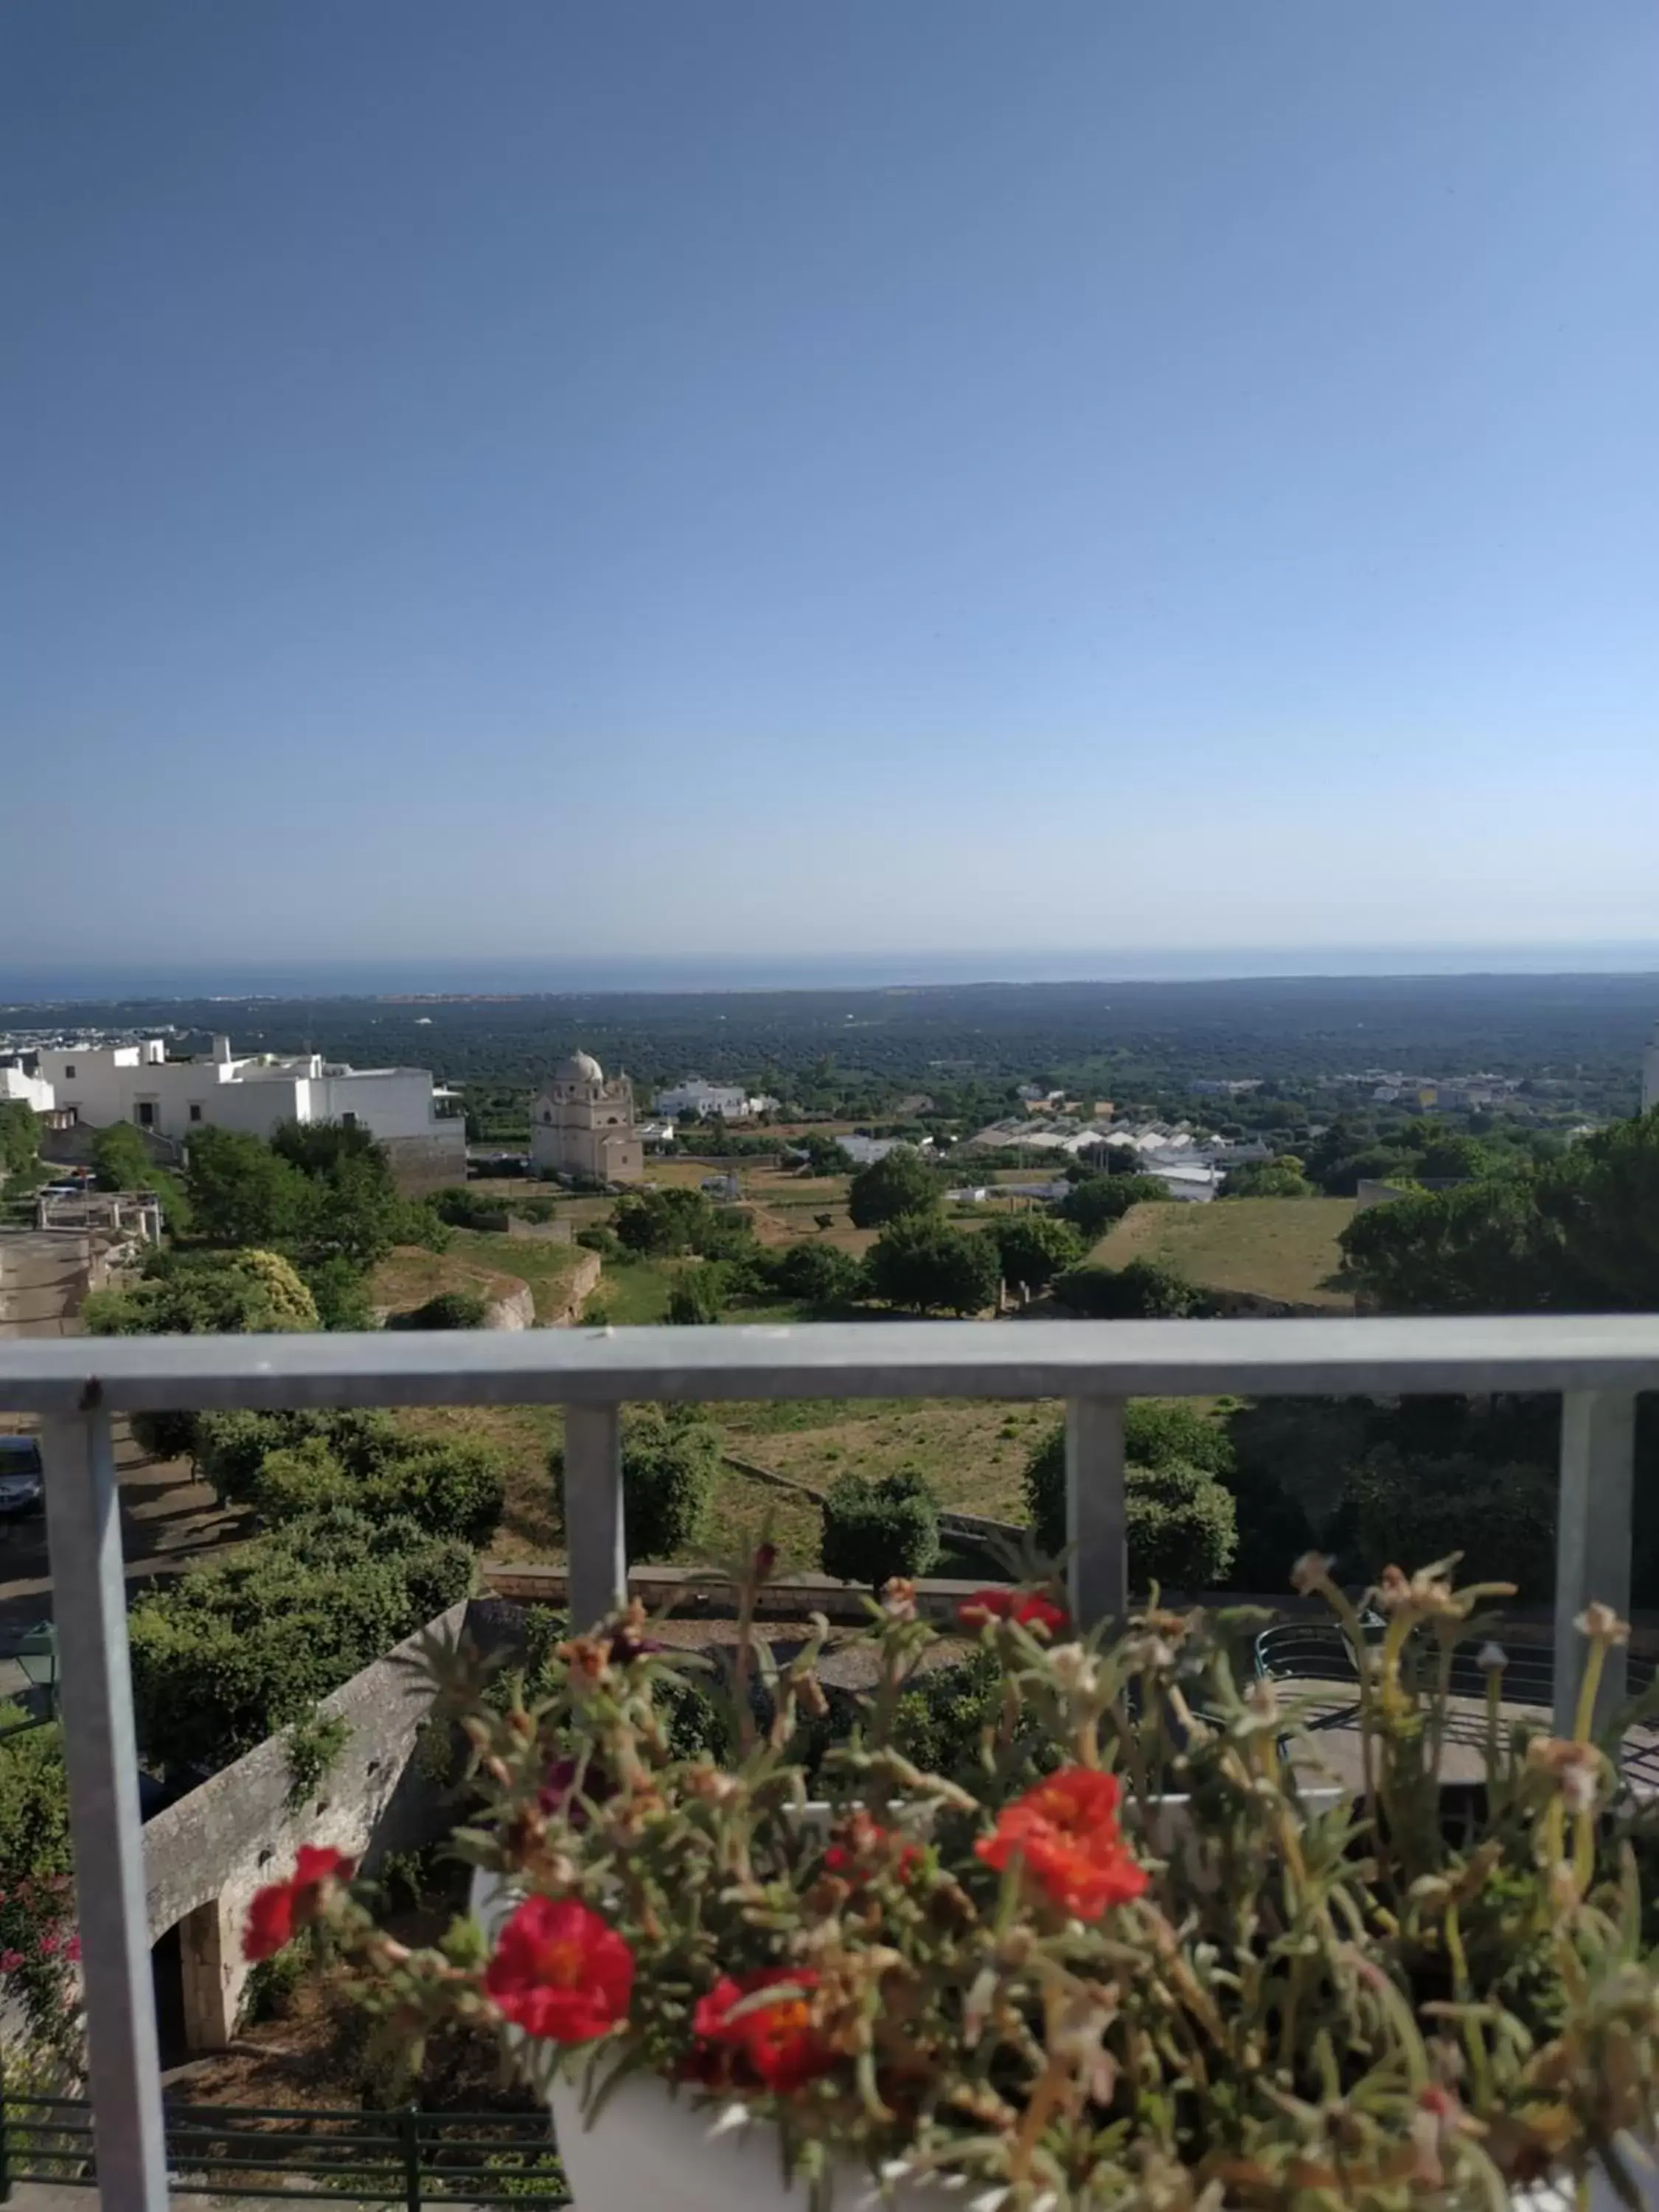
(580, 1068)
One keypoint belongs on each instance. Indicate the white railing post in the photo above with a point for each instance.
(1593, 1539)
(594, 1531)
(1095, 1529)
(89, 1606)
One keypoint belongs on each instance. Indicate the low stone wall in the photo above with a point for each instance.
(517, 1309)
(205, 1856)
(584, 1281)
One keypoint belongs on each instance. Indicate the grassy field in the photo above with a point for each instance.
(1275, 1248)
(478, 1260)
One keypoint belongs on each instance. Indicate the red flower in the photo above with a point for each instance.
(280, 1909)
(1064, 1832)
(559, 1972)
(1029, 1608)
(865, 1848)
(777, 2043)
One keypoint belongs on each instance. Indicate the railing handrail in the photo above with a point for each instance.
(1418, 1354)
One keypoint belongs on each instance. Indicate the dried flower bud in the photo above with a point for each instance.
(1492, 1658)
(1075, 1670)
(1602, 1624)
(898, 1598)
(1311, 1571)
(1393, 1589)
(588, 1658)
(764, 1561)
(1574, 1768)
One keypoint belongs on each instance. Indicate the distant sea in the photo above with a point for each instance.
(24, 983)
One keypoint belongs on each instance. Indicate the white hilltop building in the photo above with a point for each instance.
(96, 1085)
(582, 1124)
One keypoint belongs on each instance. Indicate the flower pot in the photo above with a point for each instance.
(649, 2150)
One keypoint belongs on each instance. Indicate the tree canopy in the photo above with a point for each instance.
(900, 1182)
(920, 1263)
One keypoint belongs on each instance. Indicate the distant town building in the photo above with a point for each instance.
(862, 1151)
(402, 1107)
(582, 1125)
(709, 1102)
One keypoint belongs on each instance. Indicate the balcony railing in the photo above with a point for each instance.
(77, 1386)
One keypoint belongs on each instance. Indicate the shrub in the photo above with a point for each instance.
(304, 1477)
(1502, 1519)
(670, 1460)
(167, 1436)
(1143, 1290)
(339, 1290)
(900, 1182)
(229, 1653)
(872, 1529)
(661, 1223)
(606, 1241)
(446, 1309)
(698, 1295)
(287, 1463)
(204, 1294)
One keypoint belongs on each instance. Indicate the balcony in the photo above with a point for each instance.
(1598, 1363)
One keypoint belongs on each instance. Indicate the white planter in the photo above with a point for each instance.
(650, 2151)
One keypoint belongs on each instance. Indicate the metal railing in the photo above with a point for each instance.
(1598, 1363)
(408, 2157)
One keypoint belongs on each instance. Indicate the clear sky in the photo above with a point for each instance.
(569, 477)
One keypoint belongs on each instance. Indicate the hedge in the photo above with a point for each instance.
(1182, 1523)
(230, 1653)
(670, 1460)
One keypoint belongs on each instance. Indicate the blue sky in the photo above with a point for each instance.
(565, 480)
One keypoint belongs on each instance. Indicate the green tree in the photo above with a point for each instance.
(1182, 1520)
(920, 1263)
(1035, 1247)
(874, 1529)
(1484, 1247)
(242, 1193)
(824, 1155)
(1098, 1201)
(19, 1139)
(661, 1224)
(121, 1160)
(901, 1182)
(817, 1274)
(1397, 1507)
(1280, 1178)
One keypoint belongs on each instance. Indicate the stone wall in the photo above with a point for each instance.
(584, 1281)
(206, 1855)
(516, 1309)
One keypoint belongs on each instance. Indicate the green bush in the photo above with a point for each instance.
(449, 1487)
(872, 1529)
(204, 1294)
(1143, 1290)
(230, 1653)
(606, 1241)
(305, 1477)
(698, 1295)
(670, 1460)
(121, 1160)
(1397, 1506)
(446, 1309)
(660, 1223)
(339, 1290)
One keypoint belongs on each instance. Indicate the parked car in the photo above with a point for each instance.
(22, 1483)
